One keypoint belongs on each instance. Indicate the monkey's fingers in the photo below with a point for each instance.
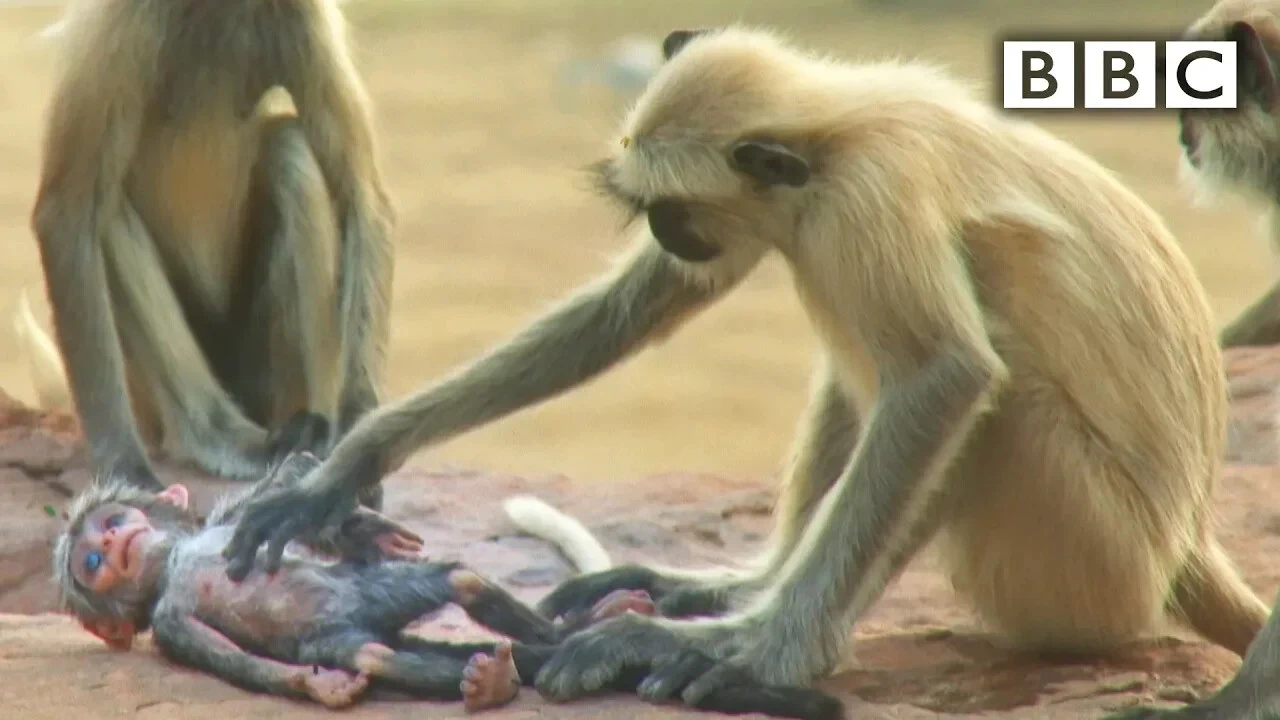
(721, 675)
(1141, 713)
(276, 543)
(671, 674)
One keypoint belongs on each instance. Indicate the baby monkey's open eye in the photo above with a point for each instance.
(92, 561)
(114, 521)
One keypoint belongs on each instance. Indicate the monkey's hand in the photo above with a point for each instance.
(1148, 713)
(279, 515)
(369, 536)
(592, 659)
(333, 688)
(744, 652)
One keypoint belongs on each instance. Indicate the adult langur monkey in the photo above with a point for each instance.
(1017, 359)
(1240, 150)
(214, 232)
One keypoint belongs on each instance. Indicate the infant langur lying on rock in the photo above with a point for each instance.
(132, 560)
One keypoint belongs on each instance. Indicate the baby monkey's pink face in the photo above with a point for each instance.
(113, 547)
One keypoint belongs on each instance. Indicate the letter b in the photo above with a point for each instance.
(1039, 75)
(1120, 75)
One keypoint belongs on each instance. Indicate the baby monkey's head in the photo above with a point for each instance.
(716, 151)
(109, 560)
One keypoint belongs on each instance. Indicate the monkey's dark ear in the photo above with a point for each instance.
(770, 163)
(1257, 77)
(676, 40)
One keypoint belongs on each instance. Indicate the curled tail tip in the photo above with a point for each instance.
(540, 519)
(518, 507)
(276, 102)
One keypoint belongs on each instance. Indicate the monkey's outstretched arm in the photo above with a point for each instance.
(95, 121)
(190, 642)
(589, 333)
(938, 375)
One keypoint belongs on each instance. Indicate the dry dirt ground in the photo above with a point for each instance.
(497, 220)
(917, 655)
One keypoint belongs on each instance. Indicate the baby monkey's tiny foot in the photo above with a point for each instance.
(620, 602)
(335, 688)
(490, 682)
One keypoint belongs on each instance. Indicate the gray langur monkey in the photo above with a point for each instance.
(1018, 360)
(214, 232)
(1239, 150)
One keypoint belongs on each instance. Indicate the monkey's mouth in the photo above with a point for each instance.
(127, 559)
(1189, 138)
(669, 223)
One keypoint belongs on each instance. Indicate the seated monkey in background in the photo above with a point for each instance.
(132, 560)
(214, 231)
(1017, 360)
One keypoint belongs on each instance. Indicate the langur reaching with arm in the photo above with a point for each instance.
(132, 560)
(1017, 360)
(1240, 150)
(214, 232)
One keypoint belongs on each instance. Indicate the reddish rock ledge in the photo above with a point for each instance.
(917, 655)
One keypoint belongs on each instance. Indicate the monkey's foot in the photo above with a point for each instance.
(490, 682)
(334, 688)
(592, 659)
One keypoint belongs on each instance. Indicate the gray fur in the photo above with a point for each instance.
(199, 308)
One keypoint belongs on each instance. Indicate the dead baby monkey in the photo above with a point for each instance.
(132, 560)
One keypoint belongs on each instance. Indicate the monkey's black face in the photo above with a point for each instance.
(669, 223)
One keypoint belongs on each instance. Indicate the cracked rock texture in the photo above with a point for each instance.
(917, 655)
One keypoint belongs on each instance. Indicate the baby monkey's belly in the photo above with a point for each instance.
(291, 604)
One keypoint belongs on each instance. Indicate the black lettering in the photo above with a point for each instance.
(1110, 74)
(1045, 72)
(1182, 75)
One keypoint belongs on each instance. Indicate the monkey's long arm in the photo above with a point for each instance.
(188, 641)
(591, 332)
(92, 137)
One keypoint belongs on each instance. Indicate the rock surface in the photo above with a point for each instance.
(919, 654)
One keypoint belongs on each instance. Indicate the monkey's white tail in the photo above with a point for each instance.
(540, 520)
(44, 363)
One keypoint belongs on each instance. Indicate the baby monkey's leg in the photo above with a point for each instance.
(429, 670)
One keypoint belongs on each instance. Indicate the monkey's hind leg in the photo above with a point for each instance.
(1212, 599)
(286, 371)
(1258, 325)
(428, 672)
(204, 422)
(1042, 537)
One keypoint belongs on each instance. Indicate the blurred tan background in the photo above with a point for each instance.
(483, 138)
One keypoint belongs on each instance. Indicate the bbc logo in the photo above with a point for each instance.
(1118, 74)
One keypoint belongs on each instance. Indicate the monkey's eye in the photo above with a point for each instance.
(93, 561)
(114, 520)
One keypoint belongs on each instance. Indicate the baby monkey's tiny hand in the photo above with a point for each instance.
(371, 536)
